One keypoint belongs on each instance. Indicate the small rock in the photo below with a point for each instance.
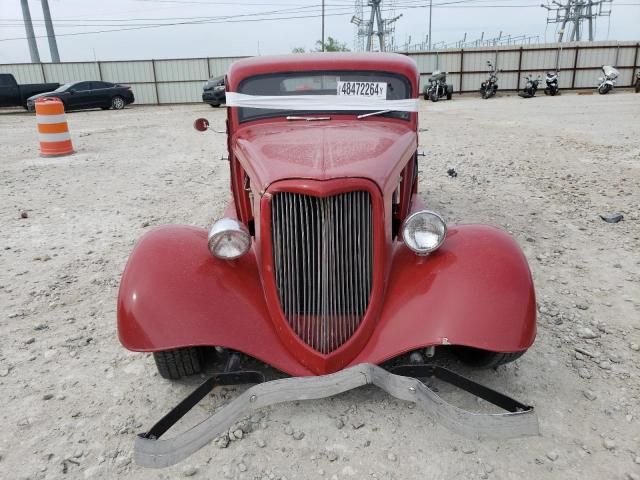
(614, 217)
(332, 456)
(24, 214)
(468, 449)
(631, 476)
(339, 423)
(589, 395)
(29, 341)
(552, 455)
(298, 435)
(392, 456)
(357, 425)
(584, 373)
(145, 224)
(605, 365)
(587, 333)
(582, 306)
(635, 347)
(609, 444)
(261, 443)
(238, 434)
(223, 441)
(4, 371)
(242, 467)
(47, 396)
(189, 470)
(40, 326)
(288, 430)
(452, 172)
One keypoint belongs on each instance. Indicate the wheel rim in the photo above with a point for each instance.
(118, 103)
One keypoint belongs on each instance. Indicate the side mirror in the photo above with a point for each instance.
(201, 124)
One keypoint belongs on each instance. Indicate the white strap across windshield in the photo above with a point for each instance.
(320, 102)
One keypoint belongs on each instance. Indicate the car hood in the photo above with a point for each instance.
(322, 150)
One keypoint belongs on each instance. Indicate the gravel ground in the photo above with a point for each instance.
(543, 169)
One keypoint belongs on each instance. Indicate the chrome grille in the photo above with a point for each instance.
(323, 261)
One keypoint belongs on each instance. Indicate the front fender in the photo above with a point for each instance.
(476, 290)
(174, 294)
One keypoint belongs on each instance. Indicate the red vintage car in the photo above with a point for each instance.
(327, 256)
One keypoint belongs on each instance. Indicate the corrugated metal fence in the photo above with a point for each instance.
(180, 80)
(579, 63)
(152, 81)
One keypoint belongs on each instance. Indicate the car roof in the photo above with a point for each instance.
(297, 62)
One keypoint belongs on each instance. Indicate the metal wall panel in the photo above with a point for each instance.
(181, 70)
(144, 93)
(220, 66)
(71, 72)
(180, 92)
(127, 72)
(587, 78)
(24, 72)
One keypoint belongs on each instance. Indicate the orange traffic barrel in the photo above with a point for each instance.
(53, 131)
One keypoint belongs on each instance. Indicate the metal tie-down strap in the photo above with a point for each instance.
(519, 419)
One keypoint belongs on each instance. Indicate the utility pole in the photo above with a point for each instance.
(323, 25)
(430, 10)
(571, 13)
(31, 36)
(51, 35)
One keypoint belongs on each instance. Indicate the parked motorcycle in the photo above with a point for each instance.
(608, 80)
(638, 82)
(438, 87)
(489, 87)
(552, 84)
(530, 87)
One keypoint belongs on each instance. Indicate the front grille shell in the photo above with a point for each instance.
(323, 264)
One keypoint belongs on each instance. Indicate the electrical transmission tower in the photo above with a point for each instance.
(376, 28)
(572, 13)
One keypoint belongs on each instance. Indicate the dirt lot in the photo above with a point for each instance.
(543, 169)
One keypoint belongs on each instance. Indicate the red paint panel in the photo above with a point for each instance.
(175, 294)
(476, 290)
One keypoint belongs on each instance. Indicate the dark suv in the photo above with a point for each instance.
(213, 91)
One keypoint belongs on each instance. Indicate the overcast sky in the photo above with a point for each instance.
(238, 27)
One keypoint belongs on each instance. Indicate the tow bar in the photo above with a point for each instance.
(401, 382)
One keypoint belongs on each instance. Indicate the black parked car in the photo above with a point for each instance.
(13, 95)
(81, 95)
(213, 91)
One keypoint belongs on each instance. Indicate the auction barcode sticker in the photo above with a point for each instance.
(363, 89)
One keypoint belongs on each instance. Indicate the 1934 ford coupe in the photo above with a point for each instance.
(327, 257)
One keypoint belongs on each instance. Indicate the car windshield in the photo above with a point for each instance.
(63, 88)
(392, 86)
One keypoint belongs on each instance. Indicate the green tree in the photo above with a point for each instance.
(331, 45)
(298, 50)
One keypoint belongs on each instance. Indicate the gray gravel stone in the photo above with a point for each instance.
(298, 435)
(552, 455)
(584, 373)
(609, 443)
(189, 470)
(339, 423)
(261, 443)
(587, 333)
(332, 456)
(288, 430)
(589, 395)
(392, 456)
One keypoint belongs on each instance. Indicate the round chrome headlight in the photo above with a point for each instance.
(424, 231)
(229, 239)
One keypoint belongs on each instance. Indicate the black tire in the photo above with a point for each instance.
(117, 102)
(553, 92)
(449, 95)
(434, 97)
(426, 96)
(178, 363)
(215, 105)
(484, 359)
(604, 89)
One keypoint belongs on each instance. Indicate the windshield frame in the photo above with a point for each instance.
(406, 116)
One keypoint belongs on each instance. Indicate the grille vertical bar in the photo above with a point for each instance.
(323, 264)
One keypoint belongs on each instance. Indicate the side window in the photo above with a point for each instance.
(5, 81)
(96, 85)
(82, 86)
